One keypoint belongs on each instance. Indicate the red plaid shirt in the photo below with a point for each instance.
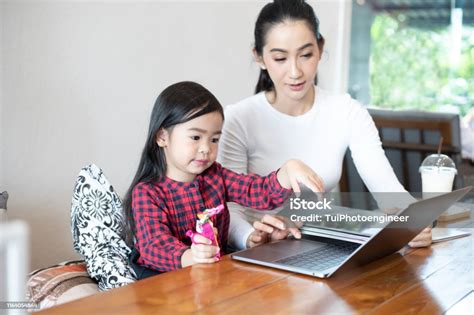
(165, 210)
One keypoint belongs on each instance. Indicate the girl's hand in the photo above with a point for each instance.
(294, 172)
(202, 253)
(423, 239)
(272, 228)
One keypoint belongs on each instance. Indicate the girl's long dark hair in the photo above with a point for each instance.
(277, 12)
(177, 104)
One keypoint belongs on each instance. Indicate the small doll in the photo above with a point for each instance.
(205, 227)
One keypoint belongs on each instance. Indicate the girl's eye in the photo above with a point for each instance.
(215, 140)
(308, 55)
(195, 138)
(280, 59)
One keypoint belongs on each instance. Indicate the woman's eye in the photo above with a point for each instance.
(215, 140)
(280, 59)
(308, 55)
(195, 138)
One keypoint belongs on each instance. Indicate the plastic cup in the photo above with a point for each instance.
(437, 174)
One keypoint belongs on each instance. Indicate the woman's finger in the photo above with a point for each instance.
(274, 221)
(425, 235)
(295, 232)
(289, 223)
(255, 238)
(279, 235)
(427, 230)
(419, 243)
(291, 227)
(423, 239)
(259, 226)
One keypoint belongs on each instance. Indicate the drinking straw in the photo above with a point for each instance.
(439, 145)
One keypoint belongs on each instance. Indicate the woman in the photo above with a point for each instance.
(291, 117)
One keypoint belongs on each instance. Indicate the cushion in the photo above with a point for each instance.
(97, 229)
(61, 283)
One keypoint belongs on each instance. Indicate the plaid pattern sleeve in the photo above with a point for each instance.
(159, 248)
(255, 191)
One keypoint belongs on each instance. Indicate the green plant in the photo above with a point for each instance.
(411, 67)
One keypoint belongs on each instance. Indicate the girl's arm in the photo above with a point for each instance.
(271, 191)
(254, 191)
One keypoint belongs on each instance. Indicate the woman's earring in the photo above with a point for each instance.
(263, 67)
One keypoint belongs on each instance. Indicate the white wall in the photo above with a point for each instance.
(80, 80)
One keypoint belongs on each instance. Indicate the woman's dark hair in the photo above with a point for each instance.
(277, 12)
(177, 104)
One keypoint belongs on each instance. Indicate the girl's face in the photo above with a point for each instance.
(291, 56)
(191, 147)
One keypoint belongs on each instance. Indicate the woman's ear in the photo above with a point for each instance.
(258, 59)
(162, 138)
(321, 42)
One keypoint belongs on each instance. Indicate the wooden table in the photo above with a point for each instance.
(415, 281)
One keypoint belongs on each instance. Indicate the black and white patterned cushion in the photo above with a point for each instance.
(97, 229)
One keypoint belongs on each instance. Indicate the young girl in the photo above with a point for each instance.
(178, 177)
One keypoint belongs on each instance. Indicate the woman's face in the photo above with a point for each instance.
(291, 56)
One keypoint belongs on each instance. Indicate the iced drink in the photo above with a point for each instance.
(437, 174)
(434, 179)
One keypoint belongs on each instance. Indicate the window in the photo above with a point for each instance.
(413, 54)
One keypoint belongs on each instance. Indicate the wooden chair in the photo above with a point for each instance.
(407, 138)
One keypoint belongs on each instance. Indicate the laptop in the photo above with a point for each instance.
(323, 255)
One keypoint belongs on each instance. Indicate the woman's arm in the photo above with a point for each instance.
(233, 150)
(233, 144)
(367, 153)
(373, 165)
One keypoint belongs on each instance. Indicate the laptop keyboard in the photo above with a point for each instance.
(320, 258)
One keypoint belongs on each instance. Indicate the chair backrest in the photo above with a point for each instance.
(407, 138)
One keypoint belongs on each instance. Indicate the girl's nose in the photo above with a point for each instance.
(204, 149)
(295, 71)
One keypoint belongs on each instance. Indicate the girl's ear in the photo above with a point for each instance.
(162, 138)
(258, 59)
